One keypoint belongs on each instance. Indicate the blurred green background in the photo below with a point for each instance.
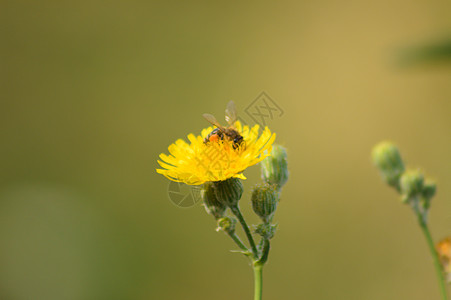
(92, 91)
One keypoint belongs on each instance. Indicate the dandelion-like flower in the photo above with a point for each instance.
(199, 162)
(216, 160)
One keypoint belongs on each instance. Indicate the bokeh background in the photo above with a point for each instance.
(92, 91)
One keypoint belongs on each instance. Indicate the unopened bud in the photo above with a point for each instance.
(212, 205)
(266, 230)
(387, 158)
(274, 168)
(429, 189)
(226, 224)
(411, 183)
(428, 192)
(228, 191)
(264, 200)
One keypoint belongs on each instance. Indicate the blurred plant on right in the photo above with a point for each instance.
(431, 53)
(444, 252)
(417, 192)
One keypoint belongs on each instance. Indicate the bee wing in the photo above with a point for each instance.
(212, 120)
(230, 113)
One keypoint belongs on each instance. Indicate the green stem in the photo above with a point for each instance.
(236, 211)
(265, 252)
(435, 257)
(237, 240)
(258, 281)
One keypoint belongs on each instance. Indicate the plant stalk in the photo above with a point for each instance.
(237, 241)
(236, 211)
(258, 281)
(265, 252)
(436, 260)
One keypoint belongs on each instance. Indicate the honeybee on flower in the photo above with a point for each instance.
(217, 154)
(220, 133)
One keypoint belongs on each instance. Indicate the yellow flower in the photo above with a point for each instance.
(200, 162)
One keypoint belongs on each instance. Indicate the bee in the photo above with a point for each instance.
(224, 133)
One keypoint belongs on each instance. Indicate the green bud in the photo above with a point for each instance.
(411, 183)
(429, 189)
(226, 224)
(228, 191)
(266, 230)
(387, 158)
(212, 205)
(274, 168)
(264, 200)
(426, 203)
(428, 192)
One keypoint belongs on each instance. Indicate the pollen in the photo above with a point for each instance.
(214, 138)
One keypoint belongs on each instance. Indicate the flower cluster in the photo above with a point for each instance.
(417, 192)
(219, 196)
(411, 184)
(216, 159)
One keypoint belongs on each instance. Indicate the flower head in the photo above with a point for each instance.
(198, 162)
(275, 168)
(411, 183)
(264, 200)
(387, 158)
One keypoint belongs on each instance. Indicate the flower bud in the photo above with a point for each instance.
(387, 158)
(226, 224)
(212, 205)
(274, 168)
(429, 189)
(266, 230)
(428, 192)
(411, 183)
(264, 200)
(228, 191)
